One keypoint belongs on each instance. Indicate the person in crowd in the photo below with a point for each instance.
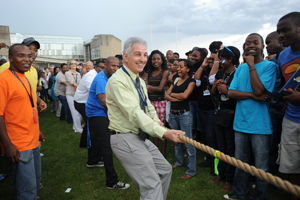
(206, 107)
(44, 93)
(54, 97)
(80, 98)
(80, 67)
(223, 121)
(251, 86)
(172, 73)
(100, 66)
(169, 54)
(83, 72)
(189, 55)
(288, 28)
(198, 56)
(19, 131)
(132, 117)
(214, 48)
(180, 115)
(89, 66)
(50, 83)
(60, 92)
(156, 82)
(96, 111)
(2, 61)
(176, 55)
(73, 79)
(273, 46)
(119, 56)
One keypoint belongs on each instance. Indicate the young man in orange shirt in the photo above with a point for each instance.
(19, 128)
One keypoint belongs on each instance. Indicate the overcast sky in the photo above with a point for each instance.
(199, 22)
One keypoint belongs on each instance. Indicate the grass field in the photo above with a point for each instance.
(63, 166)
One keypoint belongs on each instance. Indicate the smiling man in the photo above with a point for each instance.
(132, 116)
(19, 127)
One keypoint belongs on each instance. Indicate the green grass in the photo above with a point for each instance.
(63, 166)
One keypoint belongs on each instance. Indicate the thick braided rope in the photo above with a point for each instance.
(274, 180)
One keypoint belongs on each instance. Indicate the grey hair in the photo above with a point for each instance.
(130, 42)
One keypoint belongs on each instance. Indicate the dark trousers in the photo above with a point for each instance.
(225, 140)
(65, 105)
(100, 146)
(80, 107)
(276, 118)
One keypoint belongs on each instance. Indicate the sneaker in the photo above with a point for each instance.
(41, 154)
(119, 186)
(98, 164)
(253, 186)
(230, 196)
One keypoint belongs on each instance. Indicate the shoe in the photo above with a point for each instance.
(253, 186)
(41, 154)
(186, 176)
(227, 187)
(98, 164)
(174, 166)
(204, 164)
(216, 180)
(230, 196)
(119, 186)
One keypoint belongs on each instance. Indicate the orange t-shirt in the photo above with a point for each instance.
(16, 109)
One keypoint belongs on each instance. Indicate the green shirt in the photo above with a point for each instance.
(123, 105)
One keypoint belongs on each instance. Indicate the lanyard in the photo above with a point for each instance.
(74, 77)
(138, 89)
(30, 96)
(228, 75)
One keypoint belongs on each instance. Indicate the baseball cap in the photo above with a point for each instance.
(29, 41)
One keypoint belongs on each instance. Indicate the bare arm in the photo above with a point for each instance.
(102, 99)
(168, 97)
(214, 90)
(238, 95)
(162, 84)
(11, 151)
(215, 67)
(256, 84)
(186, 93)
(198, 73)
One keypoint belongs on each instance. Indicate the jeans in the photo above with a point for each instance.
(276, 118)
(259, 144)
(207, 119)
(225, 140)
(26, 174)
(184, 122)
(196, 116)
(64, 102)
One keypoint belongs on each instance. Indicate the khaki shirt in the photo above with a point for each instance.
(123, 105)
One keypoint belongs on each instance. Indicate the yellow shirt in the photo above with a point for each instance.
(124, 112)
(31, 74)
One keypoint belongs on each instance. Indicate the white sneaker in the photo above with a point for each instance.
(119, 186)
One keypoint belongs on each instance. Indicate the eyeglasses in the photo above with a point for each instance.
(229, 50)
(73, 63)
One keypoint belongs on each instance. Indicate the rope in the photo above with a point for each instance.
(274, 180)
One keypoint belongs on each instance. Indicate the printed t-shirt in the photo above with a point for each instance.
(93, 106)
(16, 109)
(289, 62)
(31, 74)
(252, 116)
(180, 89)
(205, 100)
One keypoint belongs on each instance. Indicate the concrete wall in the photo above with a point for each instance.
(4, 37)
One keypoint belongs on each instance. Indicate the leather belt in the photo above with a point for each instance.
(179, 112)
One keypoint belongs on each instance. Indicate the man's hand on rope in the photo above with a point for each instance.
(172, 135)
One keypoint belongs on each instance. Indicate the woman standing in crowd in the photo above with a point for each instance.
(73, 78)
(56, 101)
(229, 58)
(156, 85)
(198, 56)
(207, 110)
(181, 117)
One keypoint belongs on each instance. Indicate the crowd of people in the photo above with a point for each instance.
(118, 103)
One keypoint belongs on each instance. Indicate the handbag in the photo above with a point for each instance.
(223, 118)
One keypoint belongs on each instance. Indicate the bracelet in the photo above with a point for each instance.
(252, 70)
(148, 86)
(201, 67)
(216, 61)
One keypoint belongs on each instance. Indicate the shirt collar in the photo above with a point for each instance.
(133, 75)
